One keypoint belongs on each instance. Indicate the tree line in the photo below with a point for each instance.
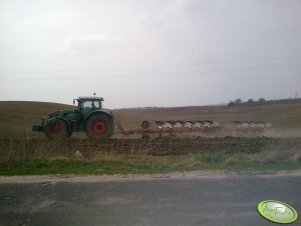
(261, 100)
(238, 101)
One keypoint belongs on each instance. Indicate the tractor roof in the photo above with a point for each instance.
(90, 98)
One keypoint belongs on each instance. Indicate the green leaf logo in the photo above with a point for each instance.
(276, 211)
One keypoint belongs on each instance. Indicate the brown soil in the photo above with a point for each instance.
(18, 149)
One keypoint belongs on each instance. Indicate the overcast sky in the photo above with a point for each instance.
(150, 52)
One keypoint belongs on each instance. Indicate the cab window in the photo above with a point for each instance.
(90, 104)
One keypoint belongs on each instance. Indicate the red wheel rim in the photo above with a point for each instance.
(55, 129)
(99, 127)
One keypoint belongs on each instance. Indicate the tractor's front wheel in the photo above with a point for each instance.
(99, 127)
(56, 129)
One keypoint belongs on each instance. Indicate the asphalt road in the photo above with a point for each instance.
(161, 200)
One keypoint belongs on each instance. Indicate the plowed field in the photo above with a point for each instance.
(27, 149)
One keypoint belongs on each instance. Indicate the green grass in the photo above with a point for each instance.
(140, 164)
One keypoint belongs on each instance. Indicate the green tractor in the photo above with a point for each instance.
(89, 117)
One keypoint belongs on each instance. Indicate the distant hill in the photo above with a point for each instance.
(17, 117)
(282, 115)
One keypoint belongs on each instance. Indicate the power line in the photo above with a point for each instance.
(135, 68)
(103, 53)
(150, 75)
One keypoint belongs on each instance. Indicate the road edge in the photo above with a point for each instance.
(140, 177)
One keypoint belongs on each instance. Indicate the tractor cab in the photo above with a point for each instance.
(88, 104)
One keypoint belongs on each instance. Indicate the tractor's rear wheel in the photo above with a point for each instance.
(56, 129)
(99, 127)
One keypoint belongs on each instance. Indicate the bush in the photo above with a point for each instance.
(238, 101)
(213, 157)
(250, 101)
(261, 100)
(231, 103)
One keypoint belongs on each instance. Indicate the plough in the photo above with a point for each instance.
(170, 127)
(245, 127)
(193, 126)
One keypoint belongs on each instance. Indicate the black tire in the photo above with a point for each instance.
(56, 129)
(145, 124)
(99, 127)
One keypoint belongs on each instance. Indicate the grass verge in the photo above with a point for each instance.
(135, 164)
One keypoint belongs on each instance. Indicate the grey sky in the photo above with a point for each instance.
(150, 53)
